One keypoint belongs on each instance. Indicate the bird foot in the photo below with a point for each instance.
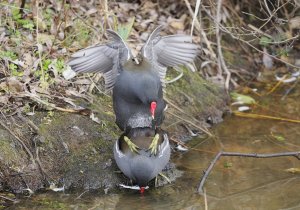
(153, 145)
(133, 147)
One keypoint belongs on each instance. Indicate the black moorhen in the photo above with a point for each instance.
(137, 85)
(138, 162)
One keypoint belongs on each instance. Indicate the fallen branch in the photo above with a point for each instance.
(203, 129)
(221, 62)
(258, 116)
(38, 100)
(27, 150)
(9, 199)
(253, 155)
(189, 148)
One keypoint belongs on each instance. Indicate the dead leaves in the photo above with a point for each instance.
(34, 72)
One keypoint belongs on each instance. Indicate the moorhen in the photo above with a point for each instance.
(138, 162)
(137, 85)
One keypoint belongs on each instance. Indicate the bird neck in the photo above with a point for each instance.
(143, 65)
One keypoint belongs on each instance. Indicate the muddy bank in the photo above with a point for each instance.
(73, 151)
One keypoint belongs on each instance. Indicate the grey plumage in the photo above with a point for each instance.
(104, 59)
(161, 52)
(144, 166)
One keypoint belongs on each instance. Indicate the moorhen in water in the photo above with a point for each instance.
(138, 162)
(137, 95)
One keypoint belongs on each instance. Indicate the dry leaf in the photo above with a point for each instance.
(28, 60)
(177, 24)
(95, 119)
(91, 11)
(69, 73)
(3, 99)
(295, 22)
(12, 84)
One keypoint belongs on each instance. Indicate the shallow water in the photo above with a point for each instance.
(235, 182)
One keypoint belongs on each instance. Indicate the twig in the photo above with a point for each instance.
(261, 19)
(11, 5)
(251, 115)
(22, 6)
(259, 31)
(198, 27)
(190, 148)
(267, 7)
(272, 14)
(290, 89)
(181, 110)
(39, 46)
(253, 155)
(191, 123)
(83, 20)
(205, 201)
(59, 25)
(221, 62)
(277, 85)
(177, 77)
(9, 199)
(78, 197)
(19, 140)
(43, 172)
(224, 29)
(29, 122)
(38, 100)
(269, 36)
(197, 8)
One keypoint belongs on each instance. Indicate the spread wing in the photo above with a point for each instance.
(169, 51)
(105, 59)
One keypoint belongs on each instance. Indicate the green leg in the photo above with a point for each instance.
(153, 145)
(133, 147)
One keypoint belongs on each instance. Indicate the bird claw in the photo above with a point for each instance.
(133, 147)
(153, 145)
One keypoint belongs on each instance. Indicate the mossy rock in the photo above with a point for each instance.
(73, 151)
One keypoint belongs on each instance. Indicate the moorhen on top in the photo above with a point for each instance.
(138, 162)
(137, 85)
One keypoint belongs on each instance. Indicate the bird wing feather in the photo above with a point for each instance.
(169, 51)
(105, 59)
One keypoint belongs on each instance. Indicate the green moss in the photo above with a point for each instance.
(48, 203)
(193, 94)
(8, 154)
(229, 56)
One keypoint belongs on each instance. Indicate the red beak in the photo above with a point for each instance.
(152, 109)
(142, 190)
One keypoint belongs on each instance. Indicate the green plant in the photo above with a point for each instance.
(8, 54)
(14, 70)
(265, 41)
(59, 65)
(124, 29)
(25, 23)
(283, 51)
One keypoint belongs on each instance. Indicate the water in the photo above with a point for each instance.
(235, 182)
